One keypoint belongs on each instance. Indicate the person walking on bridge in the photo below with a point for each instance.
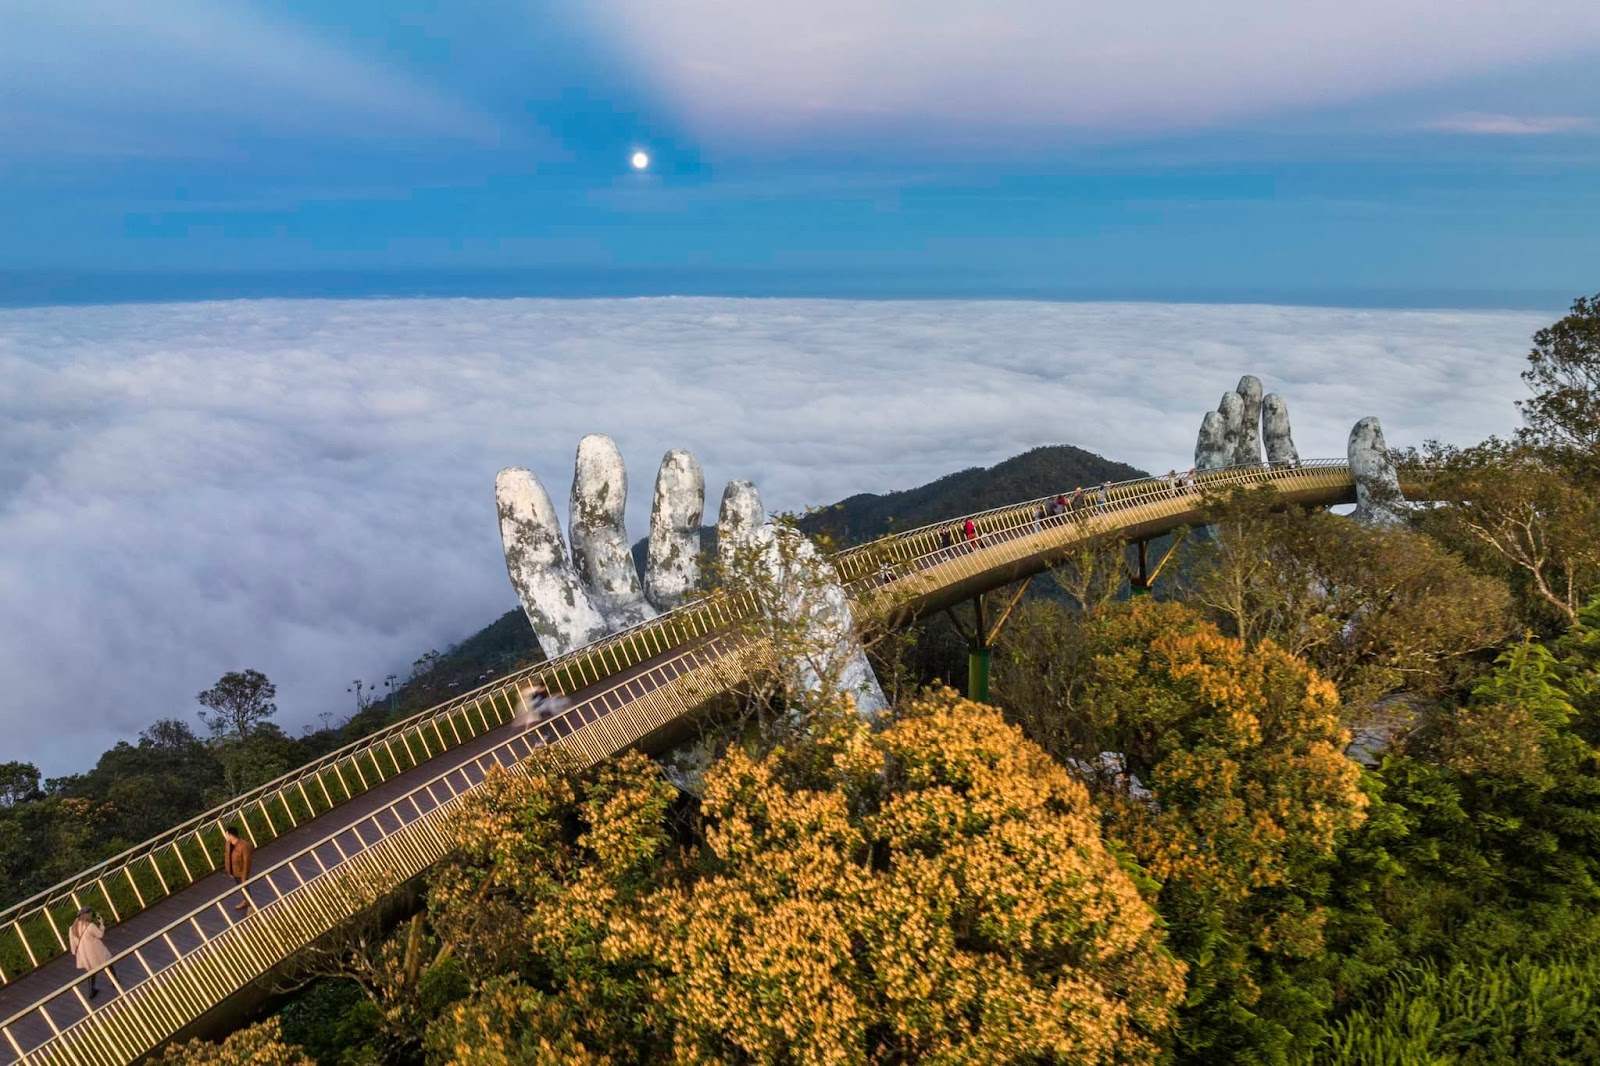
(237, 863)
(88, 946)
(970, 530)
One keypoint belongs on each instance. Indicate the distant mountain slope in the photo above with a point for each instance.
(508, 642)
(1055, 468)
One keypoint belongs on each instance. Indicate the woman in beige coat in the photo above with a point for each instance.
(88, 946)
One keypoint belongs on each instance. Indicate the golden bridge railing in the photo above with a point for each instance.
(899, 555)
(179, 972)
(34, 930)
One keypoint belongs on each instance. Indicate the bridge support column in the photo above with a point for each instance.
(1139, 578)
(1142, 576)
(978, 654)
(980, 640)
(978, 675)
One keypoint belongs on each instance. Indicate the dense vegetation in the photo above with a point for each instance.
(1160, 844)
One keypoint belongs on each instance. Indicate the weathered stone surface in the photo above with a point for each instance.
(809, 592)
(1231, 408)
(572, 604)
(1211, 449)
(1249, 447)
(600, 551)
(558, 606)
(1378, 498)
(740, 515)
(1276, 431)
(671, 566)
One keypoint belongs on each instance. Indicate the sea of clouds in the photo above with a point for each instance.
(306, 487)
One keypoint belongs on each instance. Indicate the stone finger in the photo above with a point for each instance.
(1276, 431)
(671, 567)
(738, 518)
(1211, 449)
(561, 612)
(1249, 447)
(1379, 501)
(1232, 411)
(600, 550)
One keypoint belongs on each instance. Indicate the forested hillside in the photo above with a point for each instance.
(1035, 473)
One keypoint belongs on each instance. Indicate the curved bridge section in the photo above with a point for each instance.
(371, 817)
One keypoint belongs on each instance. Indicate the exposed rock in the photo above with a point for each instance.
(1211, 449)
(1249, 447)
(671, 567)
(559, 608)
(1381, 726)
(600, 552)
(739, 516)
(1276, 431)
(1378, 498)
(809, 591)
(1231, 408)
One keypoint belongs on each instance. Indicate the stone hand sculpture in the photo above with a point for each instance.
(1378, 498)
(598, 591)
(1233, 435)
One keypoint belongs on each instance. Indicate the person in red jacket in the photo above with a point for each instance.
(970, 530)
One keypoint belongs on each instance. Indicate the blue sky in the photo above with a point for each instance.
(1372, 151)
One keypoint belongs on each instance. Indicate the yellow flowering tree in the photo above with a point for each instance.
(1229, 784)
(937, 891)
(257, 1045)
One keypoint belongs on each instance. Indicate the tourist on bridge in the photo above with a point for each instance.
(1173, 482)
(1079, 500)
(1104, 498)
(970, 529)
(237, 863)
(86, 940)
(1039, 514)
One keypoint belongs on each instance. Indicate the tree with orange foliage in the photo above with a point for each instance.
(1245, 790)
(937, 891)
(256, 1045)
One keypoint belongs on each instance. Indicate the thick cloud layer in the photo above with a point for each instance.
(307, 487)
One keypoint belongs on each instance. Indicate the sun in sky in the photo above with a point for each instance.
(640, 160)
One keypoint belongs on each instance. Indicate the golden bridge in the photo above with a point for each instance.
(376, 812)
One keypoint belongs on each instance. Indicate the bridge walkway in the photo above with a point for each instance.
(53, 1000)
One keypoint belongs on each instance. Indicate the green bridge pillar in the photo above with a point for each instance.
(978, 675)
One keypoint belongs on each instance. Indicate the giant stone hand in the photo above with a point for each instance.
(599, 591)
(1233, 434)
(1229, 437)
